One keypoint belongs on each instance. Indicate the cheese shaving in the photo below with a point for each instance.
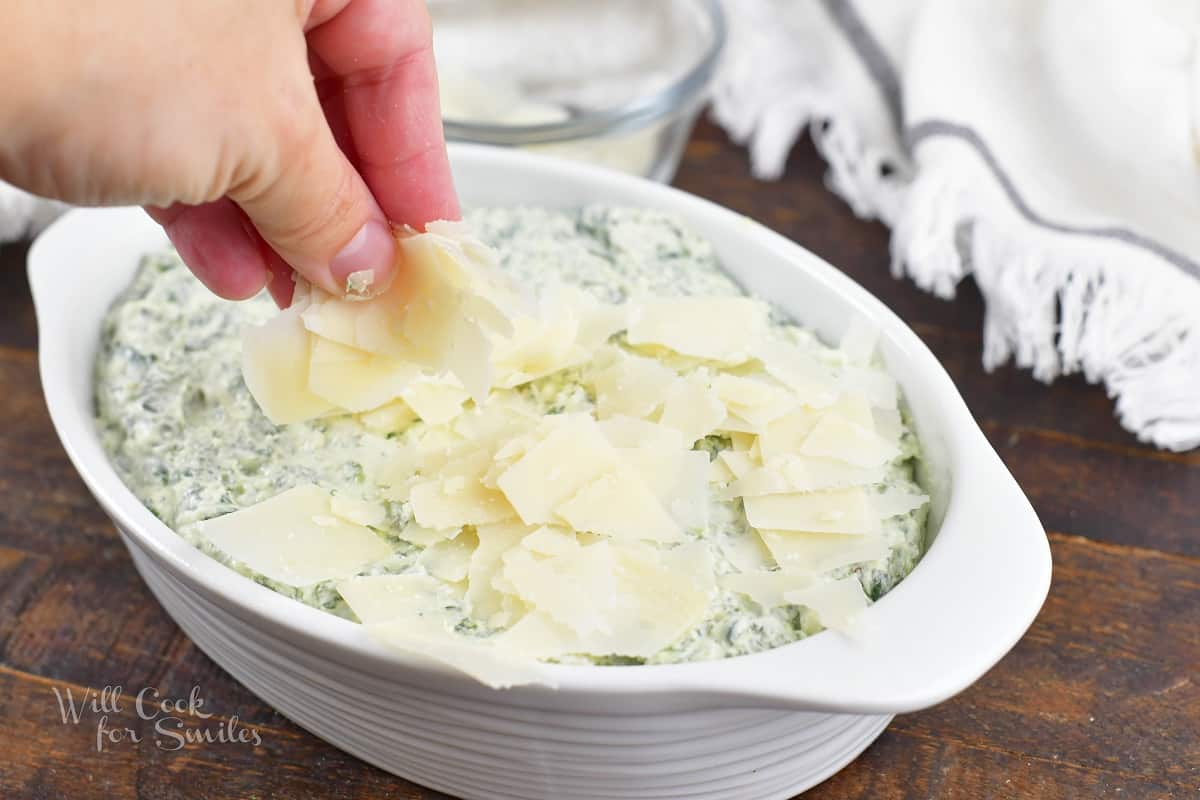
(284, 538)
(692, 407)
(571, 455)
(620, 505)
(275, 363)
(632, 386)
(837, 603)
(379, 598)
(837, 511)
(814, 553)
(720, 329)
(835, 437)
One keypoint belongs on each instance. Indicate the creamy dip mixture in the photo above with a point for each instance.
(191, 443)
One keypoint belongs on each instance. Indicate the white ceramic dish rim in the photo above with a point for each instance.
(973, 595)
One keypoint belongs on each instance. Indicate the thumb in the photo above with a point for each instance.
(313, 208)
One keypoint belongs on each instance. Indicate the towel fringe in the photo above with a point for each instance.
(869, 180)
(1056, 303)
(768, 92)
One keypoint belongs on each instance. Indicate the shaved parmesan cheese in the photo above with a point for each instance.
(379, 598)
(678, 478)
(577, 589)
(739, 463)
(465, 356)
(835, 437)
(432, 636)
(451, 504)
(598, 321)
(744, 442)
(627, 432)
(394, 416)
(859, 341)
(815, 553)
(732, 423)
(620, 505)
(449, 559)
(755, 400)
(718, 472)
(659, 597)
(838, 511)
(357, 510)
(435, 401)
(551, 541)
(853, 408)
(837, 603)
(721, 329)
(538, 635)
(484, 602)
(436, 445)
(794, 473)
(354, 380)
(275, 359)
(438, 314)
(692, 407)
(878, 386)
(888, 424)
(893, 502)
(692, 561)
(572, 455)
(786, 434)
(418, 534)
(539, 347)
(747, 551)
(395, 473)
(281, 539)
(332, 321)
(798, 369)
(767, 589)
(631, 385)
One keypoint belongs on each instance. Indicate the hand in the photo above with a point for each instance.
(264, 136)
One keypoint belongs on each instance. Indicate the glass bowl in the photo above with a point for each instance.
(617, 83)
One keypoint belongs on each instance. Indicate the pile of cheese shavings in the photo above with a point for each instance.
(573, 533)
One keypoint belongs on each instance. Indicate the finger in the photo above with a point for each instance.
(382, 51)
(320, 12)
(312, 207)
(218, 244)
(282, 281)
(329, 92)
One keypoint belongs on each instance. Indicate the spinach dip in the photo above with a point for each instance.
(189, 440)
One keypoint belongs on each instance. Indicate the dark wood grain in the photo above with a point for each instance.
(1100, 699)
(18, 330)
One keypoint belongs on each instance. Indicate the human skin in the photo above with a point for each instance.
(264, 135)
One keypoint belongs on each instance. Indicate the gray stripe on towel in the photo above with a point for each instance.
(874, 57)
(879, 66)
(936, 127)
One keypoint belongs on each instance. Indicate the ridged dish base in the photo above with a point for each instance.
(519, 753)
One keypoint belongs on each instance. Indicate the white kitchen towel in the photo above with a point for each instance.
(1048, 147)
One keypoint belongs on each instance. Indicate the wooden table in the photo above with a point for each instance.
(1100, 699)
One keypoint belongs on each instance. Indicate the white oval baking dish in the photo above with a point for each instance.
(763, 726)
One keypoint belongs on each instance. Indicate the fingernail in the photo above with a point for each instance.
(364, 265)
